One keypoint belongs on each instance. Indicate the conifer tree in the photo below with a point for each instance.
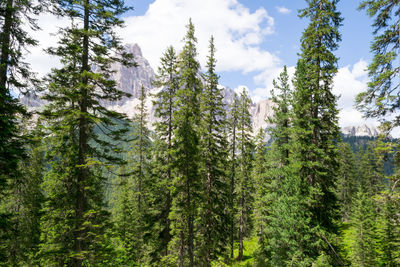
(187, 182)
(244, 183)
(347, 180)
(363, 252)
(25, 200)
(131, 194)
(288, 230)
(262, 190)
(83, 133)
(381, 99)
(232, 133)
(315, 123)
(214, 217)
(167, 79)
(15, 75)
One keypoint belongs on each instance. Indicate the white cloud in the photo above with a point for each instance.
(241, 88)
(348, 83)
(265, 78)
(283, 10)
(238, 32)
(41, 62)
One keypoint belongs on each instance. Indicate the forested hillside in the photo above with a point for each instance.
(82, 184)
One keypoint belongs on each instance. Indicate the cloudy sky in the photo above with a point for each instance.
(254, 40)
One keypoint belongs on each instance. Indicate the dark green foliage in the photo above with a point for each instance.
(167, 79)
(381, 98)
(244, 185)
(315, 126)
(75, 220)
(131, 204)
(214, 153)
(186, 152)
(347, 179)
(15, 75)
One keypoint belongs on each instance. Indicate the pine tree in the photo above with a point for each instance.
(262, 190)
(363, 252)
(232, 133)
(244, 183)
(347, 180)
(187, 183)
(214, 217)
(381, 98)
(315, 123)
(25, 200)
(131, 194)
(167, 79)
(15, 75)
(84, 136)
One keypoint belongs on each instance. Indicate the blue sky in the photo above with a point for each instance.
(254, 39)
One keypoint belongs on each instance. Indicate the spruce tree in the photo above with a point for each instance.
(244, 183)
(84, 136)
(167, 80)
(381, 98)
(15, 76)
(232, 133)
(186, 152)
(262, 190)
(213, 215)
(288, 230)
(132, 205)
(347, 180)
(315, 123)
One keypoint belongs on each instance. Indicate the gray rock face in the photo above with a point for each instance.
(362, 130)
(130, 80)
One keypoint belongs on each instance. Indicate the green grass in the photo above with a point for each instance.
(250, 247)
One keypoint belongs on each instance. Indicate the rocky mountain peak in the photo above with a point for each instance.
(361, 130)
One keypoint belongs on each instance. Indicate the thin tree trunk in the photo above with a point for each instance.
(233, 188)
(83, 171)
(5, 48)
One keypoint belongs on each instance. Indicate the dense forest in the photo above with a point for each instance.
(82, 185)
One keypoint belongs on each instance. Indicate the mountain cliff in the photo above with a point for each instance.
(130, 80)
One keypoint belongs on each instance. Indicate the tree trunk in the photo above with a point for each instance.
(83, 171)
(5, 48)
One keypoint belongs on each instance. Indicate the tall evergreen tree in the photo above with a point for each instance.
(81, 132)
(213, 215)
(167, 79)
(262, 190)
(347, 180)
(187, 182)
(25, 200)
(244, 183)
(382, 96)
(131, 195)
(15, 75)
(315, 122)
(232, 133)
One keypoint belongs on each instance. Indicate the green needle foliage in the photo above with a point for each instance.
(187, 183)
(382, 96)
(315, 124)
(213, 143)
(80, 129)
(244, 183)
(15, 77)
